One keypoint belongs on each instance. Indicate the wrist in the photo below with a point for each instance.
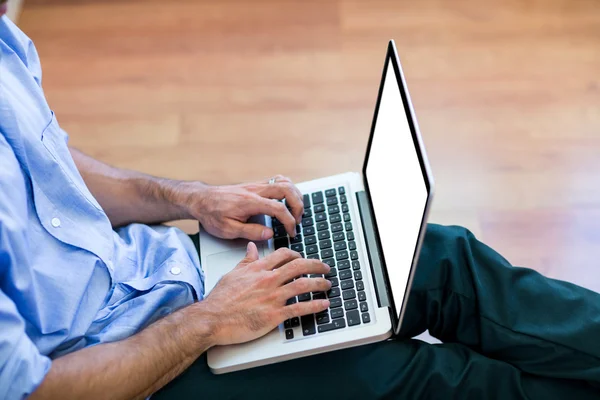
(182, 197)
(205, 323)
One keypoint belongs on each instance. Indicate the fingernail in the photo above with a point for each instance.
(330, 283)
(328, 266)
(266, 234)
(325, 303)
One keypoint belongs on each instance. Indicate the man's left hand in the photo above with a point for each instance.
(224, 211)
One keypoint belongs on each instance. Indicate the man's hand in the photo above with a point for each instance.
(224, 211)
(250, 301)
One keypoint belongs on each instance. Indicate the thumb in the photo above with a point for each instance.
(251, 254)
(255, 232)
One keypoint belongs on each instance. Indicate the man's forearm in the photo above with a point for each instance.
(135, 367)
(129, 196)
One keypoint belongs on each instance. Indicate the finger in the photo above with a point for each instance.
(301, 266)
(251, 254)
(304, 285)
(253, 231)
(289, 192)
(278, 258)
(279, 211)
(304, 308)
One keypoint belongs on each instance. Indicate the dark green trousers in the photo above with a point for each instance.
(507, 333)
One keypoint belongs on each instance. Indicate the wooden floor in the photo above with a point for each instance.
(507, 94)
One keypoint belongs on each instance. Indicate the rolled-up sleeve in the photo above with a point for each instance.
(22, 367)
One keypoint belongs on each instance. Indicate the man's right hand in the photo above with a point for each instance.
(250, 301)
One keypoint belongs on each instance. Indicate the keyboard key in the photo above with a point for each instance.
(350, 305)
(322, 226)
(307, 213)
(327, 253)
(333, 210)
(357, 276)
(313, 257)
(336, 227)
(366, 318)
(337, 313)
(352, 245)
(341, 255)
(287, 324)
(333, 292)
(324, 235)
(307, 222)
(281, 242)
(313, 248)
(360, 285)
(317, 197)
(350, 235)
(312, 239)
(305, 297)
(322, 319)
(344, 264)
(296, 239)
(354, 255)
(344, 207)
(347, 284)
(276, 222)
(355, 265)
(289, 334)
(334, 282)
(362, 296)
(297, 247)
(353, 318)
(298, 229)
(338, 236)
(319, 296)
(346, 217)
(336, 324)
(341, 190)
(335, 218)
(330, 192)
(279, 231)
(348, 226)
(339, 246)
(346, 294)
(345, 274)
(325, 244)
(320, 217)
(291, 301)
(332, 201)
(308, 325)
(343, 199)
(295, 322)
(364, 307)
(319, 208)
(332, 273)
(306, 200)
(308, 230)
(330, 262)
(335, 303)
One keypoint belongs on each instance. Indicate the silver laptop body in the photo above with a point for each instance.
(368, 226)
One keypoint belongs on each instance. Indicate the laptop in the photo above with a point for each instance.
(367, 226)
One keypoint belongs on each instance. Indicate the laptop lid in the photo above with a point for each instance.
(398, 184)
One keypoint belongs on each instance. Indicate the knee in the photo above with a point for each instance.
(447, 237)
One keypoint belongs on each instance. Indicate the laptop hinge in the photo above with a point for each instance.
(373, 249)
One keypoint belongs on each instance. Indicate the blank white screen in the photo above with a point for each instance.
(397, 186)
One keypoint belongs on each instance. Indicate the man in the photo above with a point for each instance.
(91, 312)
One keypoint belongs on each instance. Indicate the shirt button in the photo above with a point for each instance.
(175, 270)
(55, 222)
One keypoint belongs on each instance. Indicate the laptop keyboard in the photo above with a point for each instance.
(327, 234)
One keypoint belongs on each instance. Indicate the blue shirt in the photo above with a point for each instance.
(67, 279)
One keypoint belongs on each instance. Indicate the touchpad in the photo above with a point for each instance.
(219, 264)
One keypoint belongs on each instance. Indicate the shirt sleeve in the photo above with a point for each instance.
(22, 367)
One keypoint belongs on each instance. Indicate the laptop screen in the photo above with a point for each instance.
(396, 180)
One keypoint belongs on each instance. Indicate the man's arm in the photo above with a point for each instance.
(246, 304)
(129, 196)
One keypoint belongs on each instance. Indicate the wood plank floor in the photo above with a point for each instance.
(507, 94)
